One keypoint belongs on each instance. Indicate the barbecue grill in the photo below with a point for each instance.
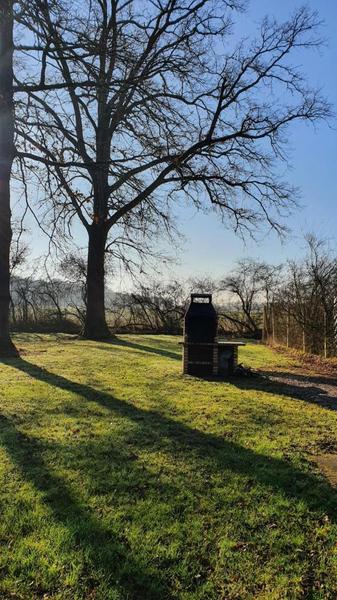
(203, 354)
(200, 337)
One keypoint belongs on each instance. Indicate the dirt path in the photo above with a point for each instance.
(310, 378)
(314, 380)
(323, 391)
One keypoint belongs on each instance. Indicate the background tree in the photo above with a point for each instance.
(132, 105)
(161, 306)
(250, 285)
(308, 299)
(72, 269)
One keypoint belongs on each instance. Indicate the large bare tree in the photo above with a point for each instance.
(6, 160)
(131, 105)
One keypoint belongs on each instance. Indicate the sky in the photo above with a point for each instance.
(208, 247)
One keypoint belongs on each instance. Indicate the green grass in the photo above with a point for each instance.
(121, 479)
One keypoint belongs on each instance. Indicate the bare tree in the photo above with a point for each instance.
(160, 306)
(73, 270)
(203, 284)
(51, 292)
(321, 266)
(250, 284)
(25, 292)
(19, 252)
(308, 298)
(127, 106)
(6, 160)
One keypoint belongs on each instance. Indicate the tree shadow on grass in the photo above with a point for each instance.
(274, 473)
(142, 347)
(107, 553)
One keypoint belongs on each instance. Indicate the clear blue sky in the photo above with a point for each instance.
(211, 249)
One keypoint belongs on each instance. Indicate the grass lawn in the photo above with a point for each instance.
(121, 479)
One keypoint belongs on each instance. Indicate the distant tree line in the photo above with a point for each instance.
(152, 305)
(294, 304)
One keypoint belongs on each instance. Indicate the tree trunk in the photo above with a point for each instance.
(6, 160)
(95, 327)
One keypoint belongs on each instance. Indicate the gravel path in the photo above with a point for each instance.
(320, 389)
(314, 380)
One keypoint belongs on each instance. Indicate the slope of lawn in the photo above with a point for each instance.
(121, 479)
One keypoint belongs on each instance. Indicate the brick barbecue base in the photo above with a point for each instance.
(216, 358)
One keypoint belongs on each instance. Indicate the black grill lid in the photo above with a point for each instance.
(201, 320)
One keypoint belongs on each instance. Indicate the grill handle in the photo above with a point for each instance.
(194, 296)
